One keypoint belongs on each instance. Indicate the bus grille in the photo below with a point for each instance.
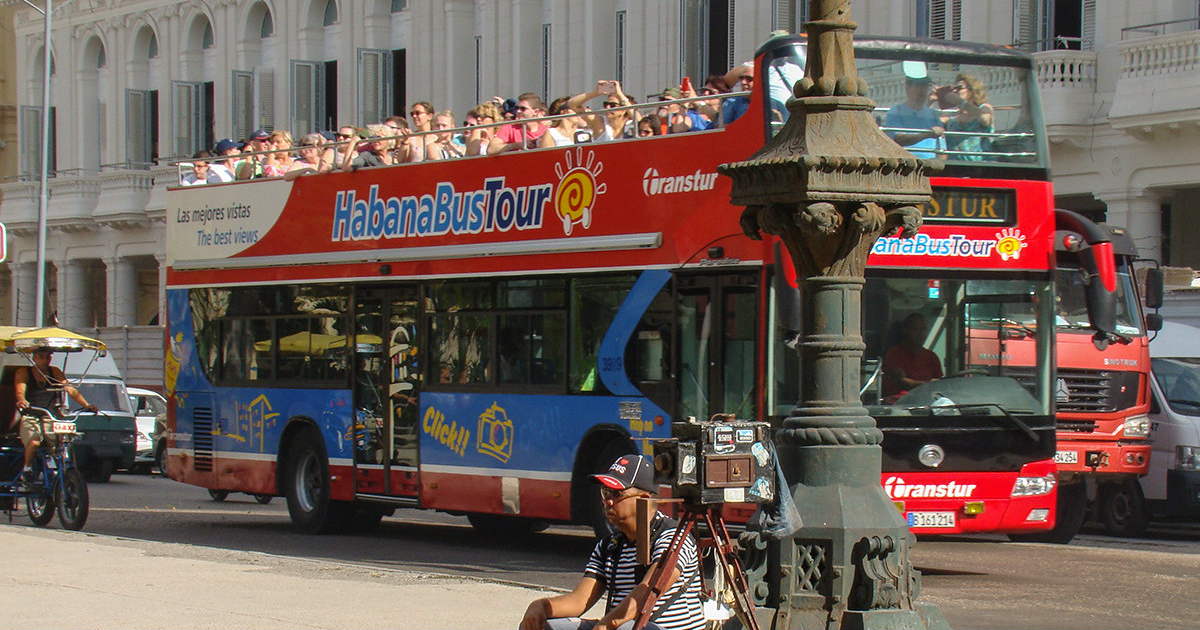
(1085, 391)
(202, 438)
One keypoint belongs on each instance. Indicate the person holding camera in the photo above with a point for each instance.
(614, 123)
(613, 567)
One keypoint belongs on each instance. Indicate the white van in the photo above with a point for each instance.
(1171, 490)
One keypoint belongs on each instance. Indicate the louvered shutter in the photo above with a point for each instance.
(1025, 24)
(264, 99)
(1087, 27)
(307, 96)
(187, 116)
(137, 128)
(374, 85)
(243, 104)
(31, 141)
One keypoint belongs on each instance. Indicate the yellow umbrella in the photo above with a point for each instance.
(302, 342)
(363, 343)
(56, 339)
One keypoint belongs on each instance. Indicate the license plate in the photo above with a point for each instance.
(1066, 457)
(63, 427)
(931, 519)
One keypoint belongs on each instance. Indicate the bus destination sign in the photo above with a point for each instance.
(971, 206)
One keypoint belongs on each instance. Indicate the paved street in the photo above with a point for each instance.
(158, 553)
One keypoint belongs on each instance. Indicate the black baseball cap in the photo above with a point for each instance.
(629, 471)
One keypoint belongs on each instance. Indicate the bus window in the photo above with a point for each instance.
(594, 305)
(459, 345)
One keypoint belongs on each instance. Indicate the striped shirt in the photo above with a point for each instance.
(683, 610)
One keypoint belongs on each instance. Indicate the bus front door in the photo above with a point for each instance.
(717, 316)
(387, 387)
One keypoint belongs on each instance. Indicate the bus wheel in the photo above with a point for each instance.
(1072, 510)
(1123, 508)
(504, 525)
(611, 451)
(307, 487)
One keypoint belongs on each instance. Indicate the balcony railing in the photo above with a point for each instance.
(1066, 69)
(1154, 29)
(1157, 56)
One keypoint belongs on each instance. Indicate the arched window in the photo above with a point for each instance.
(399, 5)
(268, 26)
(153, 51)
(331, 13)
(101, 59)
(206, 40)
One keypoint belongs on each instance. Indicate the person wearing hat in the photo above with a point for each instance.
(613, 568)
(223, 169)
(913, 123)
(251, 166)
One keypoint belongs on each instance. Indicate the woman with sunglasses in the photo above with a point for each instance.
(614, 124)
(969, 129)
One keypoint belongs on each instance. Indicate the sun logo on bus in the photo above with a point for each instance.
(577, 189)
(1009, 243)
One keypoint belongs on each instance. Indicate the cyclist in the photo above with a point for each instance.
(39, 388)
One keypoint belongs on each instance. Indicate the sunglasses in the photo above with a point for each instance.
(610, 104)
(613, 497)
(707, 91)
(343, 135)
(417, 112)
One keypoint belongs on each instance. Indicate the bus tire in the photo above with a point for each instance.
(504, 525)
(1071, 512)
(612, 450)
(1122, 508)
(307, 487)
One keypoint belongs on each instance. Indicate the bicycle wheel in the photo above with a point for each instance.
(40, 506)
(72, 495)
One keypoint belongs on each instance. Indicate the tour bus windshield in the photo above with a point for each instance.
(984, 113)
(944, 344)
(1072, 312)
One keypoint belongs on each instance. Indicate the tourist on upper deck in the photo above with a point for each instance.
(441, 146)
(914, 124)
(250, 166)
(313, 158)
(969, 129)
(421, 115)
(201, 171)
(520, 136)
(565, 131)
(478, 138)
(739, 79)
(650, 125)
(398, 126)
(615, 124)
(374, 150)
(680, 117)
(278, 162)
(345, 134)
(224, 169)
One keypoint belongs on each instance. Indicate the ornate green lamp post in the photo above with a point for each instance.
(829, 184)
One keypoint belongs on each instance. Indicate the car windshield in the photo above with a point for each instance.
(1179, 380)
(106, 397)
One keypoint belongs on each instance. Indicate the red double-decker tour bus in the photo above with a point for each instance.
(478, 335)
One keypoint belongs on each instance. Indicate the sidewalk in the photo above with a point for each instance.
(58, 579)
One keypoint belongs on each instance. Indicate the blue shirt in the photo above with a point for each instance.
(905, 117)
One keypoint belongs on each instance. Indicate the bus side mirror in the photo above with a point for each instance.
(1154, 288)
(1154, 321)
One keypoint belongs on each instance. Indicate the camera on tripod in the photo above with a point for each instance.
(723, 460)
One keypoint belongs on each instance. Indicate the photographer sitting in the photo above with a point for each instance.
(613, 566)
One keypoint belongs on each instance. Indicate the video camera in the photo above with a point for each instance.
(723, 460)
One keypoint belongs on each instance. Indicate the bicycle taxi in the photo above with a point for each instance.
(58, 484)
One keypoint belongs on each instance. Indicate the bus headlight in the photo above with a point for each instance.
(1033, 486)
(1137, 426)
(1187, 457)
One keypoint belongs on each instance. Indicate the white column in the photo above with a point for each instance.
(24, 285)
(72, 295)
(161, 258)
(121, 298)
(1141, 213)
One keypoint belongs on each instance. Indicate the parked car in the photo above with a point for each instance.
(147, 406)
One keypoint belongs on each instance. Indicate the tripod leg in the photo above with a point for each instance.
(732, 567)
(660, 579)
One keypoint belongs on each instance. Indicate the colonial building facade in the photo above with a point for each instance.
(138, 83)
